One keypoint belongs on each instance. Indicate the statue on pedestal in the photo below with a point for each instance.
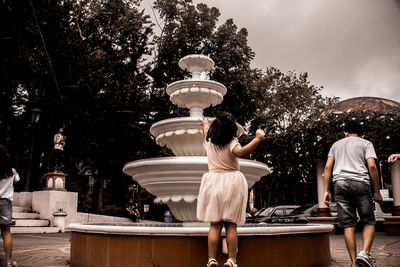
(55, 179)
(58, 149)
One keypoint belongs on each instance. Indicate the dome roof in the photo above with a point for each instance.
(363, 104)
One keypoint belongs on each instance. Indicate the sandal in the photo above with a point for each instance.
(12, 264)
(212, 263)
(230, 263)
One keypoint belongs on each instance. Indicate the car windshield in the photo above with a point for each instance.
(300, 210)
(266, 212)
(259, 211)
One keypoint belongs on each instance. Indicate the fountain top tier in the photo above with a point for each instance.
(198, 92)
(196, 64)
(184, 135)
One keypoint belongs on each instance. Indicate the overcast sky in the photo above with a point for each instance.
(350, 47)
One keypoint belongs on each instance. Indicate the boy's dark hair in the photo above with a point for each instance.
(222, 130)
(353, 127)
(5, 163)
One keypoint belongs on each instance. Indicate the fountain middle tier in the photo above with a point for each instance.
(175, 181)
(182, 135)
(196, 94)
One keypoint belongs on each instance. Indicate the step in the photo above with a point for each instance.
(31, 223)
(34, 230)
(26, 215)
(19, 209)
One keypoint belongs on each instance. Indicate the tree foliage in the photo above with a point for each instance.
(189, 29)
(293, 154)
(96, 50)
(285, 100)
(97, 69)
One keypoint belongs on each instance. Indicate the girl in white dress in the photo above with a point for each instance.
(223, 191)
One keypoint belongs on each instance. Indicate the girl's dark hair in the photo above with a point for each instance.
(222, 130)
(5, 163)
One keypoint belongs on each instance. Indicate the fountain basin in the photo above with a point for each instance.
(176, 180)
(196, 63)
(184, 136)
(196, 93)
(167, 245)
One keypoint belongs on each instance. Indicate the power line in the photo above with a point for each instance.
(45, 49)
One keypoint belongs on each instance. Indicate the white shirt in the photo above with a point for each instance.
(351, 154)
(7, 186)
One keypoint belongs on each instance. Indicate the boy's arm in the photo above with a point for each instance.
(327, 180)
(373, 173)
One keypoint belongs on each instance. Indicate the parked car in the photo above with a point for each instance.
(298, 215)
(270, 212)
(379, 211)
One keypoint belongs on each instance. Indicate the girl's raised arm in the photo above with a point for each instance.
(206, 125)
(244, 152)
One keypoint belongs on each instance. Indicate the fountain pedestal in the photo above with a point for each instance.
(164, 245)
(323, 209)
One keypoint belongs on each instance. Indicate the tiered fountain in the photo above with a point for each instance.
(175, 181)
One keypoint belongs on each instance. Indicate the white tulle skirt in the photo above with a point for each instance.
(222, 197)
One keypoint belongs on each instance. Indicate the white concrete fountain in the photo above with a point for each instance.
(176, 180)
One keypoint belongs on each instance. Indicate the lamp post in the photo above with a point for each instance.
(34, 120)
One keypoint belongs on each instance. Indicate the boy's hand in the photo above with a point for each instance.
(378, 197)
(327, 198)
(260, 134)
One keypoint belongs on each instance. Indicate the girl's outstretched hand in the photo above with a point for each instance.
(206, 125)
(260, 134)
(204, 121)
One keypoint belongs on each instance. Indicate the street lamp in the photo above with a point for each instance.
(35, 115)
(34, 120)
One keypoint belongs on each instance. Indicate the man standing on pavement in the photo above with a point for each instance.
(351, 162)
(133, 211)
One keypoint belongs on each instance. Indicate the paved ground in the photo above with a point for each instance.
(39, 250)
(386, 250)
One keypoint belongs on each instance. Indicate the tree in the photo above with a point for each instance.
(96, 51)
(189, 29)
(286, 100)
(293, 153)
(110, 89)
(232, 56)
